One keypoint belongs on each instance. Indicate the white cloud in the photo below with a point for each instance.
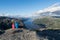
(10, 15)
(52, 8)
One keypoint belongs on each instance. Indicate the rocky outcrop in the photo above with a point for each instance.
(19, 34)
(6, 22)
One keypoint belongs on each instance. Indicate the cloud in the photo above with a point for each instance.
(51, 8)
(10, 15)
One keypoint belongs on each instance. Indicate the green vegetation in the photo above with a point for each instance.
(51, 23)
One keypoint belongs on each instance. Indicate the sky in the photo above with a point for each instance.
(24, 7)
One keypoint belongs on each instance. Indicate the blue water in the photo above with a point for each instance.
(30, 24)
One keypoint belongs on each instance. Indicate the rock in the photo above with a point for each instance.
(19, 34)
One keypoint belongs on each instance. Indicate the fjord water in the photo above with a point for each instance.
(30, 25)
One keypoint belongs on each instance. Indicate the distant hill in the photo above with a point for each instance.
(48, 22)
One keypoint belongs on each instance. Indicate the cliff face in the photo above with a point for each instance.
(19, 34)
